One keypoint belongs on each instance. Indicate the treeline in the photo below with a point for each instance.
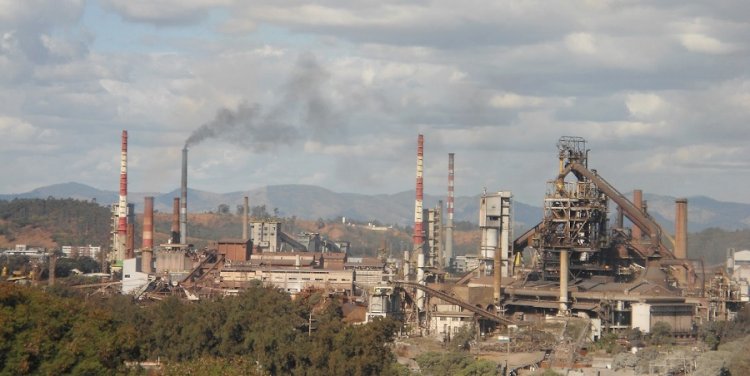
(260, 332)
(71, 222)
(712, 244)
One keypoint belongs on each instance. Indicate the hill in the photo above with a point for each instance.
(53, 222)
(313, 202)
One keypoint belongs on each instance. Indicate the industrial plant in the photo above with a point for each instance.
(596, 255)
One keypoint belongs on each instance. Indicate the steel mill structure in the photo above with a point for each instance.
(595, 254)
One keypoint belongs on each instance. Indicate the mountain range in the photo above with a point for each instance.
(312, 202)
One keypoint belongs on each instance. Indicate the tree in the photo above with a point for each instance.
(661, 334)
(223, 209)
(462, 339)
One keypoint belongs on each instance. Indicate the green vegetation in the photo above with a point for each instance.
(70, 222)
(262, 331)
(455, 363)
(46, 334)
(711, 244)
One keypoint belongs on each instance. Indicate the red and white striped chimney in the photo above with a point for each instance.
(122, 206)
(449, 225)
(418, 226)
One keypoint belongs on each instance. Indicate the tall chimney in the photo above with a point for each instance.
(245, 218)
(680, 228)
(183, 196)
(638, 202)
(564, 265)
(52, 267)
(176, 221)
(130, 244)
(122, 205)
(148, 234)
(449, 223)
(418, 238)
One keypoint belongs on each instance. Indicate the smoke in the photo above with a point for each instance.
(246, 126)
(303, 110)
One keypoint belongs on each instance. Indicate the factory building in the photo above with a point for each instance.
(447, 319)
(384, 301)
(133, 276)
(291, 280)
(368, 271)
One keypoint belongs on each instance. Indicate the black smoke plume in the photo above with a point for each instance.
(302, 111)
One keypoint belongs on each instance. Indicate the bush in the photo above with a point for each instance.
(661, 334)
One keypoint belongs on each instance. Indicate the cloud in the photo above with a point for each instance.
(582, 43)
(164, 12)
(512, 100)
(643, 104)
(497, 83)
(695, 42)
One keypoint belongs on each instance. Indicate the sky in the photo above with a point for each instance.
(334, 93)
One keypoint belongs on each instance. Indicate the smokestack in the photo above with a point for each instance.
(122, 205)
(130, 248)
(421, 280)
(183, 196)
(449, 224)
(563, 283)
(638, 202)
(148, 234)
(497, 275)
(176, 221)
(52, 267)
(681, 228)
(418, 238)
(245, 218)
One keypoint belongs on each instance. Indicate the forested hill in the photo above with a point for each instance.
(53, 222)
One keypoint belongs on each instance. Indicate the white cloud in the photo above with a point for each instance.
(642, 105)
(167, 12)
(512, 100)
(581, 43)
(701, 43)
(20, 135)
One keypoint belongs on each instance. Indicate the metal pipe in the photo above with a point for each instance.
(148, 222)
(505, 263)
(497, 275)
(130, 243)
(176, 221)
(183, 197)
(245, 217)
(421, 281)
(638, 202)
(681, 228)
(450, 205)
(148, 234)
(563, 283)
(52, 267)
